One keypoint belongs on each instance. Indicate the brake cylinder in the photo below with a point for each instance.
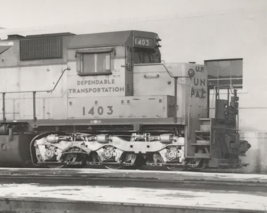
(52, 138)
(165, 138)
(102, 138)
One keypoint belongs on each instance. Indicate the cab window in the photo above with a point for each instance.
(93, 63)
(142, 55)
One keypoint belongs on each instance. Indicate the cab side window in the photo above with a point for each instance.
(98, 63)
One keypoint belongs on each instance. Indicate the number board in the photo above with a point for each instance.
(143, 42)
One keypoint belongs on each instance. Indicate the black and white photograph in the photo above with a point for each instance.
(133, 106)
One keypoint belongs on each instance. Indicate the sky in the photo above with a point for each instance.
(168, 18)
(174, 20)
(34, 13)
(17, 14)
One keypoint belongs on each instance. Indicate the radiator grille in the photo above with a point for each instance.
(41, 48)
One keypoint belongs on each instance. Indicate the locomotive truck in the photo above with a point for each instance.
(107, 99)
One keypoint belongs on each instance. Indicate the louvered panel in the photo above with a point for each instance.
(41, 48)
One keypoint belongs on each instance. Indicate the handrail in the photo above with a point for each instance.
(4, 109)
(140, 65)
(34, 96)
(41, 90)
(151, 64)
(175, 83)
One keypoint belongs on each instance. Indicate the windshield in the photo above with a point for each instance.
(143, 55)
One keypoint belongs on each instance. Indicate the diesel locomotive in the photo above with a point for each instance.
(107, 99)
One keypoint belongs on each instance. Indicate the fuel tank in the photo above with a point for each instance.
(15, 151)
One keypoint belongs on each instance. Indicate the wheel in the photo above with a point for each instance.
(175, 168)
(74, 158)
(56, 166)
(139, 162)
(114, 167)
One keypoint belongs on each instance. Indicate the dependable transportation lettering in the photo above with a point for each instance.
(96, 90)
(94, 86)
(96, 82)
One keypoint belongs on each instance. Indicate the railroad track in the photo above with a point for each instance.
(59, 206)
(87, 190)
(142, 179)
(141, 183)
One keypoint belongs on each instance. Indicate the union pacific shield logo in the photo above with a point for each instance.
(191, 73)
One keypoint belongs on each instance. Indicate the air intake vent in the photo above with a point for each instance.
(41, 48)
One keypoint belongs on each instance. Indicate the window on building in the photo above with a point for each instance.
(225, 72)
(93, 63)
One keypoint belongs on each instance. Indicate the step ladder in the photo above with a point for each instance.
(203, 139)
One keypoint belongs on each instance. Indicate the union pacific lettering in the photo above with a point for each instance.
(199, 84)
(97, 90)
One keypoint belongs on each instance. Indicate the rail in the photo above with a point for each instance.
(34, 96)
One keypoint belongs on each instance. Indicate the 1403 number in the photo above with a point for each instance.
(144, 42)
(99, 110)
